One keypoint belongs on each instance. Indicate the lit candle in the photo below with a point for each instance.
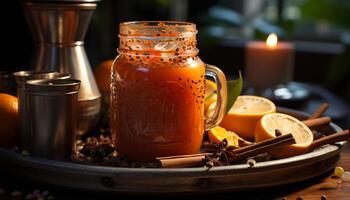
(269, 63)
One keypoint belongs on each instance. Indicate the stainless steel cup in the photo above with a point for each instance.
(21, 78)
(52, 111)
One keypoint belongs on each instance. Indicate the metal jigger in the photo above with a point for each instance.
(52, 114)
(59, 28)
(21, 78)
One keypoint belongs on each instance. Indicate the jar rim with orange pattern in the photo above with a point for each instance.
(169, 39)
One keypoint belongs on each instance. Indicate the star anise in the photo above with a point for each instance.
(97, 152)
(222, 153)
(94, 149)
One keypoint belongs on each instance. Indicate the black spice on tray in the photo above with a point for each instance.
(278, 132)
(251, 162)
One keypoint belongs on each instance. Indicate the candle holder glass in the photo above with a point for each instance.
(269, 70)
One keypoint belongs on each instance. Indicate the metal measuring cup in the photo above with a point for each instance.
(21, 78)
(52, 117)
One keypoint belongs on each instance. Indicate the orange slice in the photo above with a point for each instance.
(245, 114)
(218, 134)
(267, 126)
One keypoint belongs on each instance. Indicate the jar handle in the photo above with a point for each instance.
(221, 103)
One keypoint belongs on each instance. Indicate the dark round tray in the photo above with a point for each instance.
(178, 180)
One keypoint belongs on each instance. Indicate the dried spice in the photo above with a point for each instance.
(278, 132)
(211, 161)
(230, 155)
(98, 150)
(221, 153)
(261, 157)
(251, 162)
(93, 149)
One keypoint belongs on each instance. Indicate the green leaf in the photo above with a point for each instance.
(234, 89)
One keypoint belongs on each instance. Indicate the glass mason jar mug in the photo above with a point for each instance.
(158, 91)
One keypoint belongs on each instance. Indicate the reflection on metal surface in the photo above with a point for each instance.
(52, 117)
(21, 78)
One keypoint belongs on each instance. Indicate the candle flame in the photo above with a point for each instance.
(272, 40)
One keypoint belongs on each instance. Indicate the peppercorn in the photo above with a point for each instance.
(251, 162)
(278, 132)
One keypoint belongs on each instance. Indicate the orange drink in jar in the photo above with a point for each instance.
(157, 91)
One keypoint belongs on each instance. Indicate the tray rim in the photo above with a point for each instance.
(71, 165)
(60, 173)
(112, 170)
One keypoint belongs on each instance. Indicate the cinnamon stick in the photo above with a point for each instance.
(319, 111)
(240, 153)
(179, 161)
(242, 142)
(317, 122)
(263, 147)
(263, 143)
(330, 139)
(251, 150)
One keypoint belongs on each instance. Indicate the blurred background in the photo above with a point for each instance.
(319, 29)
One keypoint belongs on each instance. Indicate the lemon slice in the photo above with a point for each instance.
(245, 114)
(284, 124)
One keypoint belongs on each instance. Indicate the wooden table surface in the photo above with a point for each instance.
(313, 189)
(332, 188)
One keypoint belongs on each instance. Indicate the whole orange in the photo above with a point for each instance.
(9, 131)
(102, 75)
